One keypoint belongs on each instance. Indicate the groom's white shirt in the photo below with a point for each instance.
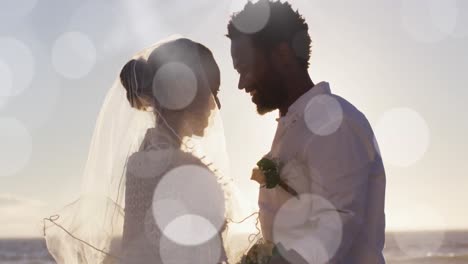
(341, 179)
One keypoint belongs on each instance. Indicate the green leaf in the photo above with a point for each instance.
(271, 172)
(272, 178)
(266, 164)
(275, 251)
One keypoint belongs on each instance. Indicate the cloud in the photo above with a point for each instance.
(10, 200)
(20, 216)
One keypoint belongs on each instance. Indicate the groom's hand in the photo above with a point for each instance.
(278, 259)
(291, 257)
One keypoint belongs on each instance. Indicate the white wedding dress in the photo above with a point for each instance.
(150, 197)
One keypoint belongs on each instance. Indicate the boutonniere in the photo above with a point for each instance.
(267, 174)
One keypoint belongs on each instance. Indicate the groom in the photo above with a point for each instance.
(325, 147)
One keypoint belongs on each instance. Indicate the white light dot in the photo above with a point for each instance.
(237, 6)
(254, 18)
(6, 79)
(190, 230)
(44, 95)
(174, 253)
(461, 30)
(166, 210)
(170, 13)
(104, 24)
(154, 19)
(175, 86)
(403, 136)
(16, 145)
(323, 115)
(73, 55)
(291, 225)
(150, 164)
(143, 20)
(429, 20)
(20, 61)
(3, 101)
(444, 15)
(192, 190)
(16, 10)
(427, 219)
(298, 44)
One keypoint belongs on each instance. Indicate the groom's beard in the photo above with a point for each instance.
(270, 97)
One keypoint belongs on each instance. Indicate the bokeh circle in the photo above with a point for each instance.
(73, 55)
(21, 65)
(152, 163)
(293, 228)
(403, 136)
(298, 44)
(253, 19)
(189, 195)
(3, 101)
(16, 142)
(6, 79)
(190, 230)
(461, 30)
(428, 219)
(16, 10)
(323, 115)
(209, 252)
(429, 20)
(175, 85)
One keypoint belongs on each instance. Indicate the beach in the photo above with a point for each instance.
(400, 248)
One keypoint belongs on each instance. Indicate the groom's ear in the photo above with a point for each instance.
(282, 54)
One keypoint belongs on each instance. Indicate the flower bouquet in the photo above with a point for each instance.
(260, 253)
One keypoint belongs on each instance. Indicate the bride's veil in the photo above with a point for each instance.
(89, 230)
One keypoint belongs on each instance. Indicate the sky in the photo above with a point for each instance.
(401, 62)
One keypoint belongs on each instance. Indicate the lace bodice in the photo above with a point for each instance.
(143, 241)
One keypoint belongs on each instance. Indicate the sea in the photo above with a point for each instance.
(400, 248)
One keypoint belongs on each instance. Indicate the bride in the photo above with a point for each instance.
(156, 185)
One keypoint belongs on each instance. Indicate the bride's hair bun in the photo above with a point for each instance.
(137, 78)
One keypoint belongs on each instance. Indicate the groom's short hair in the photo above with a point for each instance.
(284, 25)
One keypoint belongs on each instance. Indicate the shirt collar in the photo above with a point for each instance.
(301, 103)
